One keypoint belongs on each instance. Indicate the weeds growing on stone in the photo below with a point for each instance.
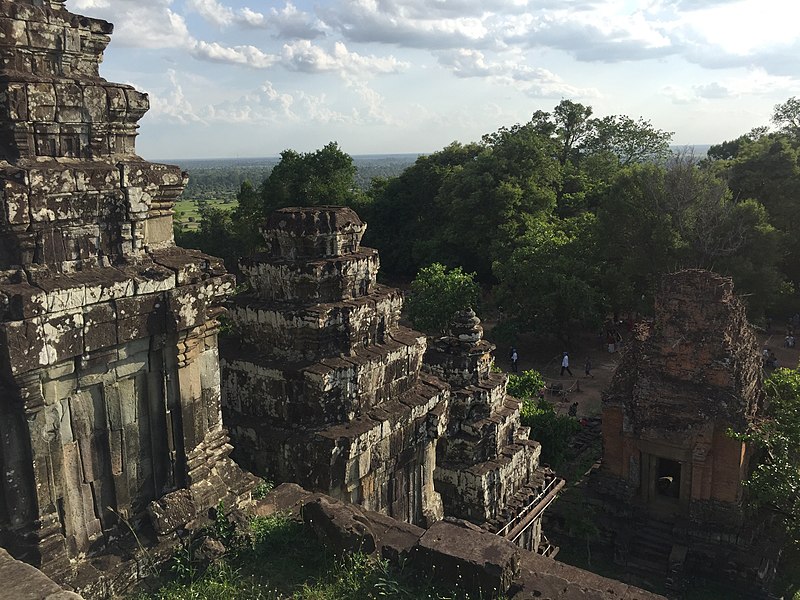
(277, 558)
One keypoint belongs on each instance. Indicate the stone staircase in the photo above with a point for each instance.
(650, 548)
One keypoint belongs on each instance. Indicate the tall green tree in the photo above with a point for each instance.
(549, 284)
(405, 217)
(325, 176)
(661, 218)
(437, 294)
(786, 116)
(775, 482)
(495, 199)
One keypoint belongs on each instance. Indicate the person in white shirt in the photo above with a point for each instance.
(565, 365)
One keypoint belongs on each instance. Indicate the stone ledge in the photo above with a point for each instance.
(29, 583)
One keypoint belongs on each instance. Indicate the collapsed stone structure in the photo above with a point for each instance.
(109, 376)
(672, 476)
(322, 386)
(487, 470)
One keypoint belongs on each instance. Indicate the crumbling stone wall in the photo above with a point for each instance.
(474, 562)
(487, 469)
(109, 377)
(321, 385)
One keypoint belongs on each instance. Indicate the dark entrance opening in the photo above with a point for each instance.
(668, 478)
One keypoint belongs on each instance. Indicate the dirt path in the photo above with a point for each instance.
(545, 357)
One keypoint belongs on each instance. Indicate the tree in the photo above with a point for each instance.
(405, 218)
(628, 140)
(549, 284)
(215, 236)
(437, 294)
(525, 385)
(325, 176)
(657, 219)
(786, 117)
(775, 481)
(573, 127)
(551, 430)
(247, 218)
(492, 201)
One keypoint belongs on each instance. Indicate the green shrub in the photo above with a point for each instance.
(551, 430)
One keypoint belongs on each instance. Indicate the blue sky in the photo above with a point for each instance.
(247, 78)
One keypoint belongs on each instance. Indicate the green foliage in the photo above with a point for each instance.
(437, 294)
(549, 284)
(405, 216)
(278, 558)
(775, 482)
(262, 488)
(526, 384)
(787, 116)
(627, 140)
(325, 176)
(656, 219)
(222, 527)
(552, 430)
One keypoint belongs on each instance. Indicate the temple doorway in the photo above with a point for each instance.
(668, 478)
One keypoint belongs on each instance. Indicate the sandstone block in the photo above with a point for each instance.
(172, 511)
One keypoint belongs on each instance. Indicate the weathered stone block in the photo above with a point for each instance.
(463, 555)
(172, 511)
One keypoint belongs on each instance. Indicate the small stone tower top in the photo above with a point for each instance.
(313, 233)
(466, 326)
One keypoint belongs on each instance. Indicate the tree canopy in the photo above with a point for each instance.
(564, 218)
(437, 294)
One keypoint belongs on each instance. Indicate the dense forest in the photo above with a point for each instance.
(220, 180)
(564, 219)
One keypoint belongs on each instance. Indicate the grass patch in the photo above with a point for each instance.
(187, 211)
(279, 559)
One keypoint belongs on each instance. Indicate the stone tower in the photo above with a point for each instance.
(487, 470)
(687, 378)
(672, 475)
(109, 380)
(321, 385)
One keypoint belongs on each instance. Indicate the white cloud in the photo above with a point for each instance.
(252, 18)
(304, 56)
(172, 105)
(290, 23)
(140, 23)
(404, 23)
(212, 11)
(534, 81)
(248, 56)
(90, 4)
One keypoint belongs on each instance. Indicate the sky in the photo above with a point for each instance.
(250, 78)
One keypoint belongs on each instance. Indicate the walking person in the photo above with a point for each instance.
(588, 367)
(514, 357)
(565, 365)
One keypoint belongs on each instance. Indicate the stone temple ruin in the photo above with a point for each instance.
(109, 376)
(324, 387)
(671, 474)
(111, 403)
(487, 469)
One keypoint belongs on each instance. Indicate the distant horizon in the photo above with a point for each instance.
(354, 156)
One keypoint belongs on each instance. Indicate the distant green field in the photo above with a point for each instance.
(187, 213)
